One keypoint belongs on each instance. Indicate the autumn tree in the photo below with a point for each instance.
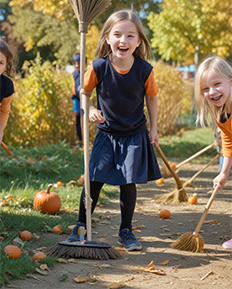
(183, 26)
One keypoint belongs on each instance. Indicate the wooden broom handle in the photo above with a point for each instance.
(6, 149)
(201, 170)
(177, 179)
(208, 205)
(195, 155)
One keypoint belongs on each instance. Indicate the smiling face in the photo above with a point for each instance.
(123, 40)
(216, 89)
(3, 63)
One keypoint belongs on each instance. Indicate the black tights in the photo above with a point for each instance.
(128, 196)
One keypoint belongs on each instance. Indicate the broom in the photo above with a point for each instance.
(166, 173)
(193, 241)
(178, 195)
(86, 11)
(4, 146)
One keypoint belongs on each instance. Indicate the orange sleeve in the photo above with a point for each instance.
(226, 133)
(90, 78)
(150, 85)
(5, 109)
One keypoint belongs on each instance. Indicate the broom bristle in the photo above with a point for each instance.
(175, 197)
(189, 242)
(83, 252)
(87, 10)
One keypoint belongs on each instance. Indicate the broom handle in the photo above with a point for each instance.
(208, 205)
(177, 179)
(85, 106)
(201, 170)
(4, 146)
(195, 155)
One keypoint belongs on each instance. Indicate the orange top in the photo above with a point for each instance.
(90, 81)
(226, 133)
(5, 110)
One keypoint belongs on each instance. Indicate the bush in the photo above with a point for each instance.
(41, 108)
(174, 98)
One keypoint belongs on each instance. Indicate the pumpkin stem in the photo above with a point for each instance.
(49, 188)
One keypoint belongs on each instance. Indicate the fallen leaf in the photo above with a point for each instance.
(61, 260)
(63, 277)
(116, 285)
(44, 267)
(41, 271)
(104, 236)
(72, 261)
(151, 269)
(165, 262)
(81, 279)
(138, 227)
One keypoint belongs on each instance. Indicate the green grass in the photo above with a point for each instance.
(32, 169)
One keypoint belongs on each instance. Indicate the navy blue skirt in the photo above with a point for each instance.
(121, 160)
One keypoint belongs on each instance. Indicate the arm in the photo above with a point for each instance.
(95, 115)
(152, 107)
(223, 176)
(4, 114)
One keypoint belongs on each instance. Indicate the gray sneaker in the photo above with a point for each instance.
(74, 237)
(128, 240)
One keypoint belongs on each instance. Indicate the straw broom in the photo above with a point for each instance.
(178, 195)
(193, 242)
(166, 173)
(86, 11)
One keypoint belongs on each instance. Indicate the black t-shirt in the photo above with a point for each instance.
(6, 87)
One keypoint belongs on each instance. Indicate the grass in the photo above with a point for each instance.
(32, 169)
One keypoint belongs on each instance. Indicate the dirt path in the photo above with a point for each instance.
(211, 269)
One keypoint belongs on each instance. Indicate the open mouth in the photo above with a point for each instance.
(124, 49)
(216, 98)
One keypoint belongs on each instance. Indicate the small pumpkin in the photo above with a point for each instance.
(39, 255)
(26, 236)
(160, 181)
(57, 229)
(13, 252)
(165, 214)
(192, 200)
(47, 201)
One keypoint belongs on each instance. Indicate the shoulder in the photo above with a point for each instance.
(143, 63)
(7, 86)
(100, 62)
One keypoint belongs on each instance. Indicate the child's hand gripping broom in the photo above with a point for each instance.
(193, 241)
(86, 11)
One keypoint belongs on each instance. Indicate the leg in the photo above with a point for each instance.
(95, 188)
(127, 204)
(128, 196)
(78, 127)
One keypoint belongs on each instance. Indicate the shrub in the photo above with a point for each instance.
(41, 108)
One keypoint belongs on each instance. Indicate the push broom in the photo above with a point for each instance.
(193, 242)
(86, 11)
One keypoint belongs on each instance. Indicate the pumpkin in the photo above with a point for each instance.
(57, 229)
(59, 184)
(165, 214)
(13, 252)
(192, 200)
(47, 201)
(26, 236)
(39, 255)
(160, 181)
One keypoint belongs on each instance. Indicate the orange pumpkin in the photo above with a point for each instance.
(47, 202)
(13, 252)
(57, 229)
(59, 184)
(160, 181)
(39, 255)
(173, 165)
(165, 214)
(192, 200)
(26, 236)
